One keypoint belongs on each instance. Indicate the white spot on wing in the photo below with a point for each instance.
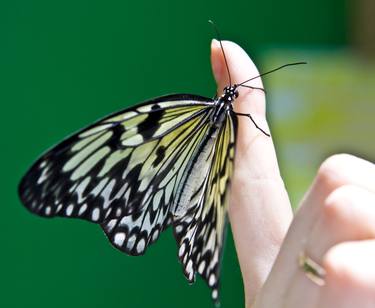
(155, 235)
(69, 209)
(131, 241)
(189, 269)
(82, 209)
(179, 228)
(111, 224)
(95, 214)
(141, 245)
(59, 206)
(43, 176)
(201, 267)
(211, 280)
(118, 212)
(214, 294)
(181, 250)
(119, 238)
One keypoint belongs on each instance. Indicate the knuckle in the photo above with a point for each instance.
(338, 263)
(349, 265)
(337, 201)
(335, 260)
(329, 173)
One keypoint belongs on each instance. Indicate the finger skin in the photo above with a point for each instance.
(259, 211)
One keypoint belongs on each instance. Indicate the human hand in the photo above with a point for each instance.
(335, 225)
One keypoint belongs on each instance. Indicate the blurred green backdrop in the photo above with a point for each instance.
(63, 64)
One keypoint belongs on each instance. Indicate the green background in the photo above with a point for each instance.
(63, 64)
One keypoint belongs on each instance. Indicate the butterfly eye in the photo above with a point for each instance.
(236, 93)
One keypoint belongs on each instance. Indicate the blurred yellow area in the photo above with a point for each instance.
(319, 109)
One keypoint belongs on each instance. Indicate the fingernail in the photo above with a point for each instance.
(216, 63)
(215, 43)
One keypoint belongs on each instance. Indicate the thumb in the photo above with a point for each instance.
(260, 211)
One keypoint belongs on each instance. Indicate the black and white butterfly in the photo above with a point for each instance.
(164, 163)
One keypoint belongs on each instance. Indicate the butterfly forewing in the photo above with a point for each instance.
(102, 170)
(140, 170)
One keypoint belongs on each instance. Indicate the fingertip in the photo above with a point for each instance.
(217, 64)
(241, 68)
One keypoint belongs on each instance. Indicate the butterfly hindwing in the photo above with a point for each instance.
(200, 232)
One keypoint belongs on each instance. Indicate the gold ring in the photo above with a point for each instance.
(314, 271)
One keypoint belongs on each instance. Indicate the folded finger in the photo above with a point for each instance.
(350, 275)
(337, 171)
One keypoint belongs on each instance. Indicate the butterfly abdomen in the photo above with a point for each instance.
(196, 176)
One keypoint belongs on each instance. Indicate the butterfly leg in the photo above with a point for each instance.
(253, 88)
(252, 120)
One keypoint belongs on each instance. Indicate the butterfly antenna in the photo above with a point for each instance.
(222, 49)
(271, 71)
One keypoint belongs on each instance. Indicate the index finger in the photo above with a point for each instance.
(259, 210)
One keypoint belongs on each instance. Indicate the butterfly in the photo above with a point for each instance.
(164, 163)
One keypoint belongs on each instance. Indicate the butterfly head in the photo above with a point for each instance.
(230, 93)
